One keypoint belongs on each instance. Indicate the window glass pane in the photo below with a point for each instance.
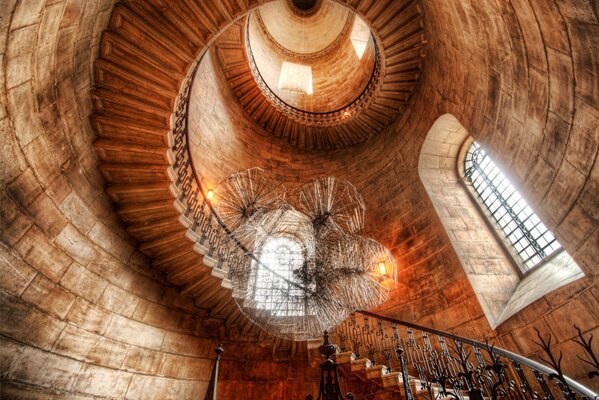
(279, 257)
(531, 239)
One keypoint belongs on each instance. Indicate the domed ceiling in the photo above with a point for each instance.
(351, 83)
(320, 42)
(304, 34)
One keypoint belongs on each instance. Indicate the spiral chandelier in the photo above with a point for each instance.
(306, 266)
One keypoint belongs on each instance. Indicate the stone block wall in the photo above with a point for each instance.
(82, 314)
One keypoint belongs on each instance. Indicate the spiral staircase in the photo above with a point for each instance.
(140, 142)
(137, 89)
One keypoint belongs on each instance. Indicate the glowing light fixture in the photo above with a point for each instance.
(210, 194)
(296, 78)
(360, 34)
(310, 267)
(382, 268)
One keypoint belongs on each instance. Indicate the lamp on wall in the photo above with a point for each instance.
(210, 194)
(382, 269)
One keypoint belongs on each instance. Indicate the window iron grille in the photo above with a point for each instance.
(281, 255)
(528, 236)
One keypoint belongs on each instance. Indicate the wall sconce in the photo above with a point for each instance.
(209, 194)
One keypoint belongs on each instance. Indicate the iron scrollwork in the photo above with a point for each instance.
(441, 365)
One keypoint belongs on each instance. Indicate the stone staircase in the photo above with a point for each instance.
(367, 371)
(378, 377)
(382, 351)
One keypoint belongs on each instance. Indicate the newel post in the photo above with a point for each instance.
(211, 393)
(330, 389)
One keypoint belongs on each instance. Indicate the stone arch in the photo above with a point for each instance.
(500, 288)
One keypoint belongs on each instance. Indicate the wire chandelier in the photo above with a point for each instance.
(307, 268)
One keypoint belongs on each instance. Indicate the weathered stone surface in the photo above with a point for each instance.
(44, 369)
(43, 255)
(77, 212)
(133, 332)
(12, 162)
(27, 324)
(139, 359)
(102, 382)
(13, 222)
(75, 244)
(142, 387)
(110, 242)
(118, 300)
(81, 281)
(181, 367)
(89, 316)
(112, 270)
(520, 77)
(187, 344)
(90, 347)
(16, 274)
(49, 296)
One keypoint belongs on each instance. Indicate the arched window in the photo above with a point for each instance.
(528, 239)
(471, 196)
(279, 257)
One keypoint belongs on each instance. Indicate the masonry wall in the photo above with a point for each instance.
(82, 313)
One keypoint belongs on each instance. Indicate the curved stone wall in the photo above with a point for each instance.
(304, 34)
(338, 77)
(84, 315)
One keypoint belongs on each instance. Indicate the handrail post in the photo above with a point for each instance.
(405, 377)
(330, 388)
(211, 392)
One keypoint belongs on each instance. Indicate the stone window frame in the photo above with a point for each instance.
(500, 235)
(502, 290)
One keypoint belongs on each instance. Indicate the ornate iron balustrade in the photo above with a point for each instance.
(445, 365)
(211, 236)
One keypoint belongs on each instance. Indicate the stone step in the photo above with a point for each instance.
(360, 365)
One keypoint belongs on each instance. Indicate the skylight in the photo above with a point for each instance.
(360, 34)
(296, 78)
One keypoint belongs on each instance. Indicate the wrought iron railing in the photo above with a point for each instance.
(445, 365)
(212, 238)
